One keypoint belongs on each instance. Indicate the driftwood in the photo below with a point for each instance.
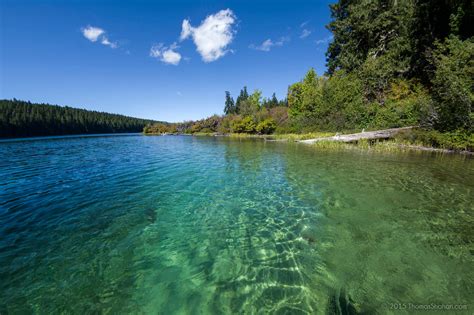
(369, 135)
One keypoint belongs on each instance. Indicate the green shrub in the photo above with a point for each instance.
(453, 83)
(304, 97)
(160, 128)
(243, 125)
(266, 126)
(406, 104)
(455, 140)
(343, 104)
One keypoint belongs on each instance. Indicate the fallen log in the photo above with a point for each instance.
(354, 137)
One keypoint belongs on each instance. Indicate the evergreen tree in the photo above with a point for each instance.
(434, 21)
(243, 96)
(283, 102)
(229, 104)
(363, 29)
(273, 101)
(398, 35)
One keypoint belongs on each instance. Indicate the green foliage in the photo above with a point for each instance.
(247, 108)
(226, 124)
(280, 115)
(270, 103)
(367, 29)
(376, 74)
(304, 98)
(434, 21)
(453, 83)
(160, 128)
(339, 104)
(402, 31)
(343, 103)
(317, 103)
(255, 98)
(252, 104)
(207, 125)
(454, 140)
(266, 126)
(260, 120)
(407, 104)
(25, 119)
(243, 125)
(243, 96)
(295, 99)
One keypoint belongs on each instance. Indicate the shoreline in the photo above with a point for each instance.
(384, 144)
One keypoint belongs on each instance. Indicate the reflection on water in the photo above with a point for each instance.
(203, 225)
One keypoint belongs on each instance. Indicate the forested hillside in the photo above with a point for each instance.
(24, 119)
(390, 64)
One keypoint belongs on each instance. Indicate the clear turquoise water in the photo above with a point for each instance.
(191, 225)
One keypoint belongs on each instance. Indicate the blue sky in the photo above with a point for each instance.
(164, 60)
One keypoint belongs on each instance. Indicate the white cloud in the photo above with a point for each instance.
(186, 30)
(92, 33)
(305, 33)
(267, 44)
(282, 41)
(155, 50)
(304, 24)
(171, 57)
(105, 41)
(213, 35)
(95, 33)
(166, 54)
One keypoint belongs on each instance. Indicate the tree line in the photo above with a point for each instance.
(249, 113)
(246, 102)
(390, 64)
(25, 119)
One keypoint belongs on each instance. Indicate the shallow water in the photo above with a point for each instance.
(197, 225)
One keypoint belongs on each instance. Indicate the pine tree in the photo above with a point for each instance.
(274, 101)
(229, 104)
(243, 96)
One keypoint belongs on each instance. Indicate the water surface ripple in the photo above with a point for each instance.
(191, 225)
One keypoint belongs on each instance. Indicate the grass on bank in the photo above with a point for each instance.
(391, 145)
(415, 139)
(287, 136)
(460, 140)
(410, 140)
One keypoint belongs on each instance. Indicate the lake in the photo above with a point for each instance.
(198, 225)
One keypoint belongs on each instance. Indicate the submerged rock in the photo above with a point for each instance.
(309, 235)
(341, 304)
(150, 215)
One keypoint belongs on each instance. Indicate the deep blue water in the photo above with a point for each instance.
(176, 224)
